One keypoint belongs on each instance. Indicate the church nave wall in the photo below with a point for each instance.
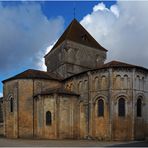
(63, 119)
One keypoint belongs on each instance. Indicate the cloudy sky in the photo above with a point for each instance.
(29, 29)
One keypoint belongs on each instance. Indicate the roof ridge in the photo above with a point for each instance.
(59, 90)
(70, 27)
(121, 62)
(34, 74)
(36, 70)
(108, 65)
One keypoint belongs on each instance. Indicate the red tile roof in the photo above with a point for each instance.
(34, 74)
(114, 64)
(77, 33)
(57, 91)
(37, 74)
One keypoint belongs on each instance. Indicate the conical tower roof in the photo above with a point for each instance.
(77, 33)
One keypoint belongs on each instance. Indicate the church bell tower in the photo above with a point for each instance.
(75, 51)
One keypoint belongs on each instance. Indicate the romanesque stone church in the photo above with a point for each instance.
(79, 96)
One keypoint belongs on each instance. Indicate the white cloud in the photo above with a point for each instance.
(98, 7)
(25, 32)
(114, 9)
(41, 62)
(1, 94)
(122, 29)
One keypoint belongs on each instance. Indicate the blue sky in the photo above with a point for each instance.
(65, 9)
(29, 29)
(51, 9)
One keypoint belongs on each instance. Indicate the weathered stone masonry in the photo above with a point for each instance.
(79, 96)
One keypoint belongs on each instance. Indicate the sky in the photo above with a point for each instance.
(28, 31)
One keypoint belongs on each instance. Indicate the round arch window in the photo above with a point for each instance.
(121, 107)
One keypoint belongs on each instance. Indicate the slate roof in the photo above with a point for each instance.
(77, 33)
(57, 91)
(34, 74)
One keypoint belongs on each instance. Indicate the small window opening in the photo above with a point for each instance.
(121, 107)
(84, 37)
(139, 108)
(100, 108)
(11, 104)
(48, 118)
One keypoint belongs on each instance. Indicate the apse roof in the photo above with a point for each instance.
(37, 74)
(34, 74)
(57, 91)
(112, 64)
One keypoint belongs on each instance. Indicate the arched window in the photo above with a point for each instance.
(142, 84)
(96, 83)
(125, 82)
(103, 82)
(138, 82)
(118, 82)
(48, 118)
(100, 108)
(86, 85)
(121, 107)
(71, 88)
(139, 108)
(80, 86)
(67, 86)
(11, 104)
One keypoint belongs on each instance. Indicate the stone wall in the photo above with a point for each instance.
(64, 113)
(1, 117)
(141, 91)
(10, 118)
(79, 85)
(111, 85)
(74, 117)
(1, 129)
(71, 58)
(20, 123)
(99, 87)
